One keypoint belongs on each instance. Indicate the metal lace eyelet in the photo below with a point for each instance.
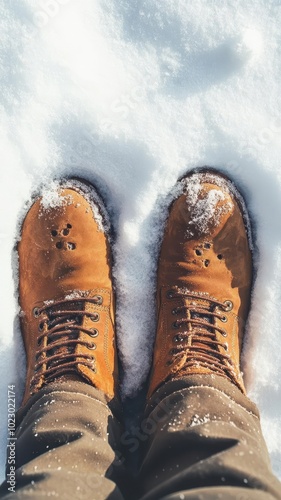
(178, 338)
(92, 346)
(228, 305)
(225, 345)
(224, 319)
(93, 367)
(172, 352)
(175, 325)
(175, 311)
(94, 333)
(170, 294)
(41, 326)
(98, 299)
(224, 333)
(169, 362)
(95, 317)
(36, 312)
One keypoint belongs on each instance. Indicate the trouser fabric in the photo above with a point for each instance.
(200, 438)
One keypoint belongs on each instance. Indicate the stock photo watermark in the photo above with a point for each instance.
(265, 136)
(11, 439)
(48, 10)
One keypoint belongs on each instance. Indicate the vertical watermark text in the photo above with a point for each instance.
(11, 444)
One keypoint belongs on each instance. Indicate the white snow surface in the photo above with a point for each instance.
(131, 94)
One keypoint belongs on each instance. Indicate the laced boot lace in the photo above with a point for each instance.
(59, 326)
(199, 345)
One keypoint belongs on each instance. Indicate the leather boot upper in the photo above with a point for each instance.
(65, 293)
(204, 283)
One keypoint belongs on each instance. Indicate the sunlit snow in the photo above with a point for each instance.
(131, 94)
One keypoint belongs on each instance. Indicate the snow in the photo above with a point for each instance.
(52, 197)
(131, 95)
(205, 210)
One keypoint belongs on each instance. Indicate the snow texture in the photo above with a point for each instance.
(131, 94)
(205, 210)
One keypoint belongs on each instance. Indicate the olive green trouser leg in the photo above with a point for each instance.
(66, 435)
(204, 441)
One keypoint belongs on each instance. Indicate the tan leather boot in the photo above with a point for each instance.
(65, 291)
(204, 283)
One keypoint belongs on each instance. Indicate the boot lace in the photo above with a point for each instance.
(199, 345)
(59, 326)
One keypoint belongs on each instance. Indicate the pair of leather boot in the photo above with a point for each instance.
(67, 296)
